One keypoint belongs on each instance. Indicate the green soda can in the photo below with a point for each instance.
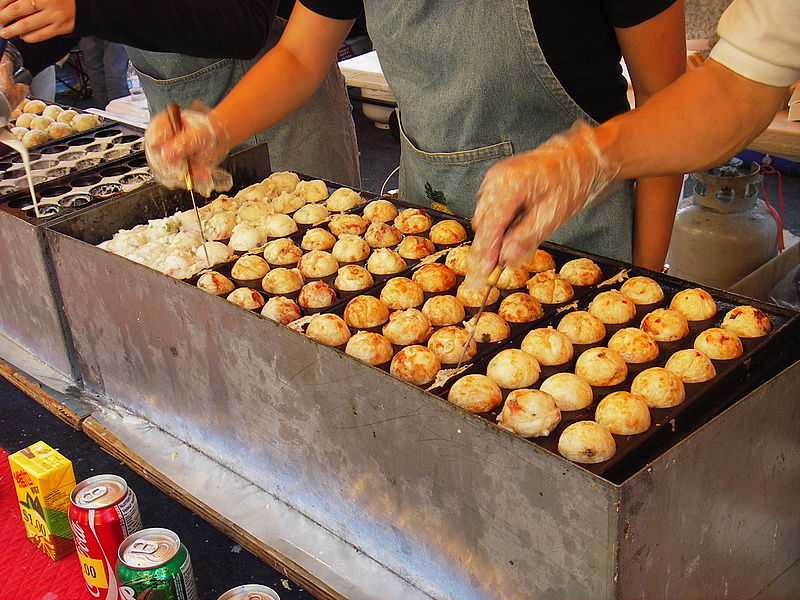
(153, 565)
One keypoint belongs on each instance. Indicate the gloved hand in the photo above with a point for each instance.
(201, 145)
(523, 199)
(13, 92)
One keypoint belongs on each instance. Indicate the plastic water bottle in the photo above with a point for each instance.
(134, 86)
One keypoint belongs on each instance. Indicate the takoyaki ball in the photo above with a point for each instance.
(472, 298)
(489, 328)
(634, 345)
(582, 327)
(328, 329)
(256, 195)
(317, 263)
(66, 116)
(569, 391)
(456, 259)
(642, 290)
(623, 413)
(548, 346)
(601, 367)
(659, 388)
(350, 249)
(279, 225)
(434, 278)
(380, 211)
(520, 307)
(316, 294)
(385, 261)
(310, 214)
(665, 325)
(284, 181)
(695, 304)
(447, 233)
(352, 224)
(254, 210)
(406, 327)
(444, 310)
(719, 344)
(249, 267)
(587, 442)
(352, 278)
(413, 247)
(245, 237)
(41, 123)
(317, 239)
(33, 138)
(513, 369)
(475, 393)
(52, 111)
(58, 130)
(612, 307)
(342, 199)
(280, 309)
(412, 221)
(365, 312)
(287, 203)
(282, 252)
(85, 121)
(512, 279)
(247, 298)
(691, 366)
(282, 281)
(25, 119)
(15, 114)
(371, 348)
(34, 106)
(747, 322)
(541, 261)
(401, 292)
(215, 283)
(529, 413)
(549, 287)
(581, 271)
(448, 343)
(415, 364)
(382, 235)
(314, 190)
(217, 252)
(19, 133)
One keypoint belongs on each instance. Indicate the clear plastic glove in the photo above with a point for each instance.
(13, 92)
(525, 198)
(200, 145)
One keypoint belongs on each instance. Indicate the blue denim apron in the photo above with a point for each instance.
(318, 139)
(473, 88)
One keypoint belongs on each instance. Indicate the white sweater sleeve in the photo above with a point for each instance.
(760, 40)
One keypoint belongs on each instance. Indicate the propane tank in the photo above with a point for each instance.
(726, 232)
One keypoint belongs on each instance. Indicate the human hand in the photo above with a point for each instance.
(526, 197)
(199, 146)
(12, 92)
(36, 20)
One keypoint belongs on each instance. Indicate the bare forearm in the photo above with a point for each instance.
(699, 121)
(656, 202)
(284, 78)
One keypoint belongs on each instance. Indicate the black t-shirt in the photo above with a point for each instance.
(577, 39)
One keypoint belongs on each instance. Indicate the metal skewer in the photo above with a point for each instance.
(174, 115)
(491, 282)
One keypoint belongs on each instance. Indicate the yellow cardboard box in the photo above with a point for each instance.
(44, 479)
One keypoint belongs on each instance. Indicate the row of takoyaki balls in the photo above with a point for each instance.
(34, 122)
(536, 412)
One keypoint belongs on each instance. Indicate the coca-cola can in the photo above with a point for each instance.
(103, 511)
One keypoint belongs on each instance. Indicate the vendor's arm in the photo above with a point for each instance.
(203, 28)
(655, 54)
(278, 84)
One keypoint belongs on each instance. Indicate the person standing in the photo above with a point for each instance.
(106, 64)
